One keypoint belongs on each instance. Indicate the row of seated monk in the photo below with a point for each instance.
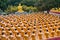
(31, 26)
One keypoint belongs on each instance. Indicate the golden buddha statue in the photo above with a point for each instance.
(20, 8)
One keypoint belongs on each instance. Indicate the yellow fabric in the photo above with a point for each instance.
(32, 25)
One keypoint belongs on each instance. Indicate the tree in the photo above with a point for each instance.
(3, 4)
(47, 4)
(14, 2)
(29, 2)
(11, 9)
(40, 4)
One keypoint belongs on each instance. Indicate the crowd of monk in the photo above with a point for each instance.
(29, 27)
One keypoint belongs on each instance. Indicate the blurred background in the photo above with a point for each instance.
(29, 6)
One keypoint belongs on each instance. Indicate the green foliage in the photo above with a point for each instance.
(1, 10)
(29, 2)
(29, 8)
(40, 5)
(14, 2)
(47, 4)
(11, 9)
(3, 4)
